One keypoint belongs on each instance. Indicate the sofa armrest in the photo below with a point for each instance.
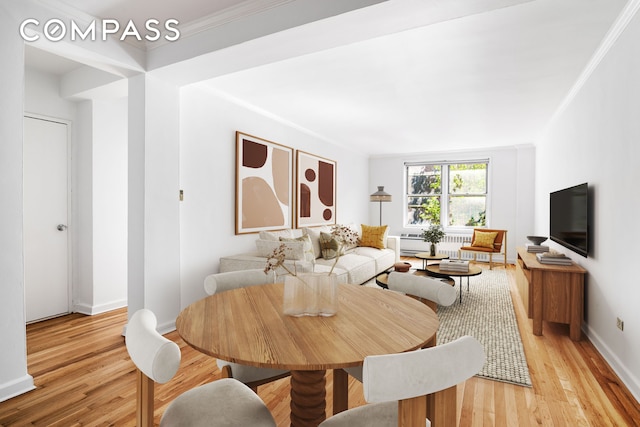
(393, 242)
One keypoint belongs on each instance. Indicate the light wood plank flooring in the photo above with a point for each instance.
(84, 377)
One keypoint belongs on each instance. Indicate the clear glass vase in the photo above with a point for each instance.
(310, 294)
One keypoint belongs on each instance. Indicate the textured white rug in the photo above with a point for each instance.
(486, 313)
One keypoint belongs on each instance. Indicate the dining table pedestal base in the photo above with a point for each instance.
(308, 393)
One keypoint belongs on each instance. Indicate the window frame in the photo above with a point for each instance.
(446, 194)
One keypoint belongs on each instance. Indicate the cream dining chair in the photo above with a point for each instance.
(396, 385)
(250, 375)
(431, 290)
(221, 403)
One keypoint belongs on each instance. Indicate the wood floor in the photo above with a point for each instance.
(84, 377)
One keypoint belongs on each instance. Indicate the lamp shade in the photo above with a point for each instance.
(380, 195)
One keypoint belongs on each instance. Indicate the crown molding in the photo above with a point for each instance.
(606, 44)
(226, 16)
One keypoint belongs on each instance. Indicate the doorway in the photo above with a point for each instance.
(46, 213)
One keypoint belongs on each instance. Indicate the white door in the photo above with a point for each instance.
(46, 263)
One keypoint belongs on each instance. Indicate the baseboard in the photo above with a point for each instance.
(627, 378)
(91, 310)
(16, 387)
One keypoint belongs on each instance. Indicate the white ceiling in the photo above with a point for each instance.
(484, 77)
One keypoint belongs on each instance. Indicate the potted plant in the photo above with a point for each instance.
(433, 235)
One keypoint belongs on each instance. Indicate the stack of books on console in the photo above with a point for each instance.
(537, 249)
(454, 265)
(554, 258)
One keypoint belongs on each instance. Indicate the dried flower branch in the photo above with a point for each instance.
(276, 259)
(345, 237)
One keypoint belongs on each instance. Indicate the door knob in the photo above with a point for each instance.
(61, 227)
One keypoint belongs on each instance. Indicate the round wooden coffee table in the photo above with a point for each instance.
(382, 278)
(426, 257)
(434, 270)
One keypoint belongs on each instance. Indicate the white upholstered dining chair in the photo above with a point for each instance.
(396, 385)
(434, 291)
(250, 375)
(221, 403)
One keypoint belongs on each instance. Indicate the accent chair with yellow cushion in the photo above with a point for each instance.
(487, 241)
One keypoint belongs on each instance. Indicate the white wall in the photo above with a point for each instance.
(109, 205)
(596, 140)
(153, 247)
(42, 96)
(81, 227)
(14, 378)
(207, 174)
(510, 177)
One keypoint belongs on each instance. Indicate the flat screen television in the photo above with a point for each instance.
(569, 218)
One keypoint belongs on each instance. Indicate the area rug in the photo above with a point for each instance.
(486, 313)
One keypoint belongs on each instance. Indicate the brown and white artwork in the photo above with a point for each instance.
(264, 185)
(316, 190)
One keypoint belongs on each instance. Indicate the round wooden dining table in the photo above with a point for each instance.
(247, 326)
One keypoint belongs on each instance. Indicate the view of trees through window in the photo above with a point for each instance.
(448, 194)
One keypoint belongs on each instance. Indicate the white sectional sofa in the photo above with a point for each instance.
(356, 266)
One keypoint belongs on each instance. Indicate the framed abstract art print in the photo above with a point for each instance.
(315, 190)
(264, 185)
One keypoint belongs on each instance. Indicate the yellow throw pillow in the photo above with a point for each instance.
(373, 236)
(484, 239)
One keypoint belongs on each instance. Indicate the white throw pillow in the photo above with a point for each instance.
(314, 235)
(275, 235)
(309, 254)
(293, 250)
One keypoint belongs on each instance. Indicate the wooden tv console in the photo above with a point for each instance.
(554, 293)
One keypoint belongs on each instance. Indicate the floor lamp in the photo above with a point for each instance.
(380, 196)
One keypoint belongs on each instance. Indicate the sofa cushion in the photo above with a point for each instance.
(383, 258)
(359, 268)
(373, 236)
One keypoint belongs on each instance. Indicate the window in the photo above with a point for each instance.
(452, 194)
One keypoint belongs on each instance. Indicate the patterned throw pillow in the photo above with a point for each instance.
(329, 245)
(484, 239)
(373, 236)
(314, 234)
(309, 255)
(293, 250)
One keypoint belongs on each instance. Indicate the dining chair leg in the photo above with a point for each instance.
(442, 407)
(144, 400)
(412, 412)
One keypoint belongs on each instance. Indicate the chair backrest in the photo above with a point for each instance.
(498, 241)
(156, 358)
(220, 282)
(407, 375)
(422, 286)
